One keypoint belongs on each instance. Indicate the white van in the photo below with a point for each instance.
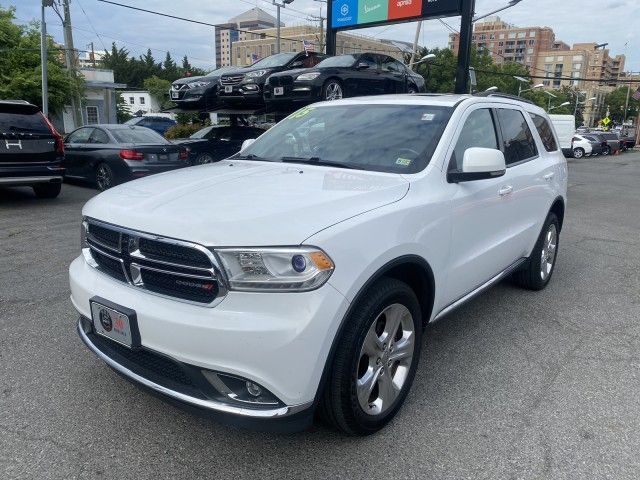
(565, 126)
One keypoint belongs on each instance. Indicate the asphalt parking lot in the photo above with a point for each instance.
(515, 384)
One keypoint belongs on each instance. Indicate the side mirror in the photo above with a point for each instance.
(362, 66)
(247, 142)
(479, 164)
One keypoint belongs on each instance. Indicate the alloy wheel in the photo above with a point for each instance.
(578, 153)
(333, 91)
(385, 359)
(204, 158)
(548, 255)
(103, 177)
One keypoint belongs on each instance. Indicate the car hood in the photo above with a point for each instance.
(293, 73)
(245, 203)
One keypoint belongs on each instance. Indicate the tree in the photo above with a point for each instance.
(616, 102)
(159, 89)
(20, 66)
(122, 110)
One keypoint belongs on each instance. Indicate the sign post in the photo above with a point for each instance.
(353, 14)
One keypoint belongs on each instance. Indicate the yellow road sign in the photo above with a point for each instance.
(606, 121)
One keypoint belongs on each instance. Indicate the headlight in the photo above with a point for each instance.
(199, 84)
(257, 73)
(296, 269)
(305, 77)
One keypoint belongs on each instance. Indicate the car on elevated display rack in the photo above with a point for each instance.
(243, 88)
(157, 123)
(338, 77)
(31, 150)
(198, 93)
(215, 143)
(111, 154)
(300, 274)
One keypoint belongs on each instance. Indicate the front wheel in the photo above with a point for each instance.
(375, 360)
(332, 90)
(541, 264)
(606, 151)
(412, 89)
(204, 158)
(578, 152)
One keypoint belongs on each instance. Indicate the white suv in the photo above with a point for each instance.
(299, 274)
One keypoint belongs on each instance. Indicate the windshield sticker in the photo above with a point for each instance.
(405, 162)
(428, 117)
(302, 112)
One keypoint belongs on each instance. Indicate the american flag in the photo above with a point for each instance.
(255, 57)
(636, 96)
(308, 46)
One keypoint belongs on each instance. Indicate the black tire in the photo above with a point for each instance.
(330, 84)
(412, 89)
(531, 276)
(578, 152)
(339, 404)
(105, 178)
(204, 158)
(47, 190)
(606, 151)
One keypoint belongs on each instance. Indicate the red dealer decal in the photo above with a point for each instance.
(404, 9)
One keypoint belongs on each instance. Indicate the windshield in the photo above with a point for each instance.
(137, 135)
(201, 133)
(277, 60)
(383, 138)
(339, 61)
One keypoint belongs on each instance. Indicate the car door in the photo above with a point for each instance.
(96, 150)
(76, 151)
(531, 172)
(481, 240)
(363, 81)
(393, 75)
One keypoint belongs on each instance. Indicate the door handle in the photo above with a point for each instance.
(506, 190)
(549, 176)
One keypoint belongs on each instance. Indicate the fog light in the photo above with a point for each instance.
(254, 389)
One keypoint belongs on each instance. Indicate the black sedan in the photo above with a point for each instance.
(215, 143)
(112, 154)
(243, 87)
(198, 93)
(350, 75)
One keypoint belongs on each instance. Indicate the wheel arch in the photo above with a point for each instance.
(558, 208)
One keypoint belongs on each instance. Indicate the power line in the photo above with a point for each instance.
(91, 24)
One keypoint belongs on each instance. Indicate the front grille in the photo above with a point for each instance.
(283, 81)
(163, 266)
(231, 79)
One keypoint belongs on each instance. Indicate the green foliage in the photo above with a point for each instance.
(616, 101)
(20, 66)
(122, 110)
(159, 89)
(182, 131)
(134, 71)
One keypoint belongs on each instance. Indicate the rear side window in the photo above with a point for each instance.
(546, 132)
(518, 142)
(23, 123)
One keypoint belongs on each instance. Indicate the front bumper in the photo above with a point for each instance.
(280, 341)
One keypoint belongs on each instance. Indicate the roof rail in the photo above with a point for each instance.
(502, 95)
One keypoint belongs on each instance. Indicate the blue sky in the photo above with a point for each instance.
(614, 21)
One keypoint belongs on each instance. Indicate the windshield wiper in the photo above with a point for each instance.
(251, 156)
(315, 161)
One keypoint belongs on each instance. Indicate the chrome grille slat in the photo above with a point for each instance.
(231, 79)
(176, 269)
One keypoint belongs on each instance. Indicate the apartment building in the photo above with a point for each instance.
(226, 34)
(508, 43)
(245, 52)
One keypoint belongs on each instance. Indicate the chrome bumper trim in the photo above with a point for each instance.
(196, 402)
(30, 180)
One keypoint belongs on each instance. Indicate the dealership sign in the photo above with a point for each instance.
(360, 13)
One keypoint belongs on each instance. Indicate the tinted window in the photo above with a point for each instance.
(137, 135)
(546, 132)
(384, 138)
(133, 121)
(204, 133)
(392, 65)
(590, 138)
(518, 142)
(478, 131)
(339, 61)
(277, 60)
(18, 122)
(369, 60)
(98, 136)
(80, 136)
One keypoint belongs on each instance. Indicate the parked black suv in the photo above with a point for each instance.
(198, 93)
(334, 78)
(31, 150)
(244, 87)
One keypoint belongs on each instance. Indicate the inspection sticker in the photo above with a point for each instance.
(405, 162)
(428, 117)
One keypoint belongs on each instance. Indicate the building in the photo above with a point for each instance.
(90, 59)
(245, 52)
(227, 34)
(508, 43)
(140, 102)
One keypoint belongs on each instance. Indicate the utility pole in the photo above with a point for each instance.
(43, 59)
(93, 55)
(415, 44)
(69, 54)
(278, 7)
(464, 52)
(626, 104)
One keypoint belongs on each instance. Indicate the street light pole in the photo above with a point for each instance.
(278, 7)
(509, 5)
(43, 59)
